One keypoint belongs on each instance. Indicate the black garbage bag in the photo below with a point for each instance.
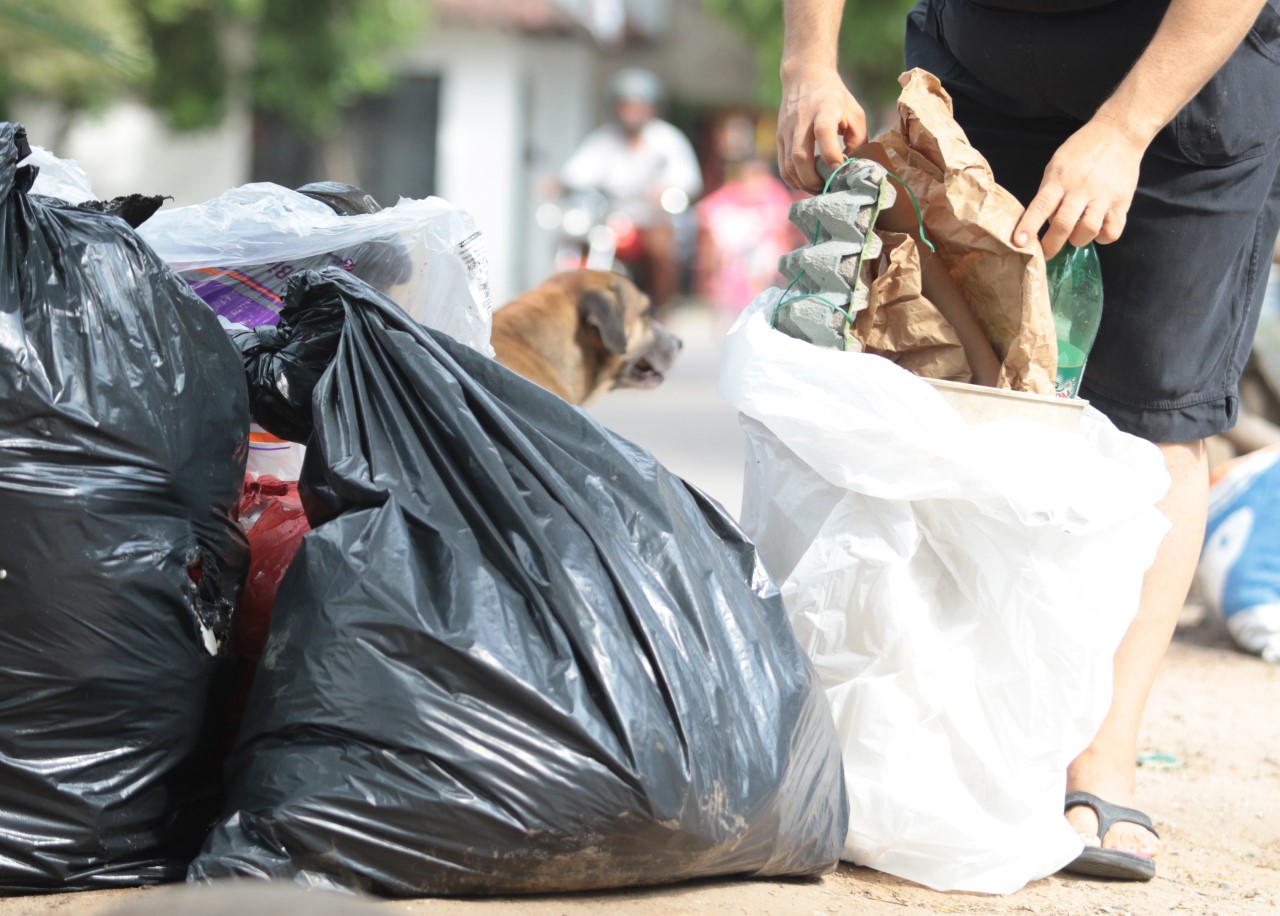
(134, 209)
(343, 199)
(516, 655)
(123, 426)
(283, 364)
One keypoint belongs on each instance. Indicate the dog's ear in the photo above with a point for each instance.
(602, 311)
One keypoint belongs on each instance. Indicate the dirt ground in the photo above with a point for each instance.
(1218, 809)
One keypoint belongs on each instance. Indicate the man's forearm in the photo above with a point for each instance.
(811, 37)
(817, 109)
(1194, 40)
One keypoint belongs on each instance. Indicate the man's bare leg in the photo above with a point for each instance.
(1106, 768)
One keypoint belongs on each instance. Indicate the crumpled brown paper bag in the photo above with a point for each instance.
(899, 323)
(970, 219)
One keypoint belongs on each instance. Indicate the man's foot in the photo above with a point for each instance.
(1123, 835)
(1120, 841)
(1087, 775)
(1108, 862)
(1109, 775)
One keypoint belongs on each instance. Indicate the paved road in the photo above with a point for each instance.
(685, 423)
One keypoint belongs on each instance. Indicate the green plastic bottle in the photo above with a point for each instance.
(1075, 293)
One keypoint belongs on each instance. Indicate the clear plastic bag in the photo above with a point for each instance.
(239, 250)
(60, 178)
(961, 588)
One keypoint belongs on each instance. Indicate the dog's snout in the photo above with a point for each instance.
(668, 339)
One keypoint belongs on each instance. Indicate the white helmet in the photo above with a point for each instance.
(636, 84)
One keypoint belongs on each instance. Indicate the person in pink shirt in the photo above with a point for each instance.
(744, 230)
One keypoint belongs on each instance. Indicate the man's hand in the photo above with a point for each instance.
(1087, 189)
(1089, 184)
(816, 106)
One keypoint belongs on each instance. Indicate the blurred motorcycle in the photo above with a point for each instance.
(594, 233)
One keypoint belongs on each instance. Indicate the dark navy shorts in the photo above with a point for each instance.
(1183, 285)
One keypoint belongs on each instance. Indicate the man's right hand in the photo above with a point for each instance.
(818, 109)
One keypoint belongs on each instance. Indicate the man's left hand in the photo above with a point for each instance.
(1087, 189)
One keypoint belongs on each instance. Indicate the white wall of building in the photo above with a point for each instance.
(479, 118)
(127, 150)
(563, 84)
(512, 108)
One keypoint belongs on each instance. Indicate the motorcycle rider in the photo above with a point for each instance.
(646, 167)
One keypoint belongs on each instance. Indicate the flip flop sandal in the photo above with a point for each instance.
(1098, 862)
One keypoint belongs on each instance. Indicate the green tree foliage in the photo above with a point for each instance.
(79, 54)
(871, 35)
(191, 82)
(303, 60)
(317, 56)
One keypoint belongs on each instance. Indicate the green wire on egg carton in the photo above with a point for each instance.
(828, 271)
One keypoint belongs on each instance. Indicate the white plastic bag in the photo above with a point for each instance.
(60, 178)
(239, 249)
(961, 588)
(271, 455)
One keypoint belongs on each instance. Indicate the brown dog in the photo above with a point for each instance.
(582, 333)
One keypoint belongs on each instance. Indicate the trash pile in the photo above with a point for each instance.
(301, 584)
(961, 577)
(447, 634)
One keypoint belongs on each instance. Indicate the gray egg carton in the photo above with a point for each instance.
(833, 266)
